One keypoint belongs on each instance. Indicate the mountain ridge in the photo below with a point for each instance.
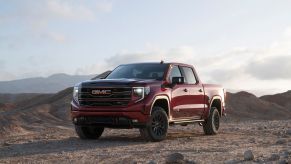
(54, 110)
(50, 84)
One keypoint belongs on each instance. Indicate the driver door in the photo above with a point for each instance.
(179, 99)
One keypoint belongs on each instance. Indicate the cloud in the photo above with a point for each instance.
(5, 76)
(57, 37)
(104, 6)
(151, 54)
(239, 68)
(38, 14)
(33, 17)
(2, 64)
(92, 69)
(277, 67)
(68, 10)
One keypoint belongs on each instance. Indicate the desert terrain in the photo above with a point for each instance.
(270, 141)
(40, 131)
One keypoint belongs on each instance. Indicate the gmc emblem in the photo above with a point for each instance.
(101, 92)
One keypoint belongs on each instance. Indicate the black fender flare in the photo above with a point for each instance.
(161, 97)
(216, 97)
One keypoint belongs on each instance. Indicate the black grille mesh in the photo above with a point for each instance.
(117, 97)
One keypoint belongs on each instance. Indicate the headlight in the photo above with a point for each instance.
(76, 94)
(139, 93)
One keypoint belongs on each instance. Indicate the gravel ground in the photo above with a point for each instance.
(269, 141)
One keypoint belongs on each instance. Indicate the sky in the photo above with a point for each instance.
(240, 44)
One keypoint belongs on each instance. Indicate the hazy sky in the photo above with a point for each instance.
(241, 44)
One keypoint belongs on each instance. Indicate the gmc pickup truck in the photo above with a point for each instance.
(148, 96)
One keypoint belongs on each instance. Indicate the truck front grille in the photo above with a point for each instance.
(92, 97)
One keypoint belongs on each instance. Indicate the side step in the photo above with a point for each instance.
(185, 121)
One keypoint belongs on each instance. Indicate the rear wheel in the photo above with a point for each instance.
(89, 132)
(211, 124)
(157, 128)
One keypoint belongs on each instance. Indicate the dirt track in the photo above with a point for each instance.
(61, 145)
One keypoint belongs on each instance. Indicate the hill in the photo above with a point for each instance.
(41, 129)
(36, 111)
(282, 99)
(246, 106)
(48, 110)
(51, 84)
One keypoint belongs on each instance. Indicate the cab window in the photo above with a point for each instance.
(175, 72)
(189, 75)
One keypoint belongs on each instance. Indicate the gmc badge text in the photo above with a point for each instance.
(148, 96)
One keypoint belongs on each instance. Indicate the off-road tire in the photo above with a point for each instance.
(89, 132)
(211, 124)
(157, 127)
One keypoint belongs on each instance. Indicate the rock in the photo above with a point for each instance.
(274, 157)
(252, 140)
(231, 162)
(285, 154)
(189, 162)
(134, 162)
(283, 162)
(260, 128)
(248, 155)
(175, 158)
(288, 131)
(152, 162)
(6, 144)
(281, 141)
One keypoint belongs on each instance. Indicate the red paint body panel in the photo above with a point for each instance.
(185, 101)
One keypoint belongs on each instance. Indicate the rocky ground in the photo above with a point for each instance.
(268, 142)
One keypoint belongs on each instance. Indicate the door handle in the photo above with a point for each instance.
(185, 90)
(200, 90)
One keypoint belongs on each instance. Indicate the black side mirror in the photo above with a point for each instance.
(178, 80)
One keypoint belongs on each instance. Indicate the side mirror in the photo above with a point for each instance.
(178, 80)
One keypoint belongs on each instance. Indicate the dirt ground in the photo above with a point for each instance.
(268, 140)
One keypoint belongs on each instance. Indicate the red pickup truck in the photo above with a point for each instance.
(148, 96)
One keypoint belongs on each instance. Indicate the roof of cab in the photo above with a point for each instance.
(171, 63)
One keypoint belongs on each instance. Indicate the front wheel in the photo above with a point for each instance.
(157, 128)
(89, 132)
(211, 124)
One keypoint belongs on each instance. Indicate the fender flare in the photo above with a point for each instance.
(161, 97)
(216, 97)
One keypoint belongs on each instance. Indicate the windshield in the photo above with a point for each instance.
(139, 71)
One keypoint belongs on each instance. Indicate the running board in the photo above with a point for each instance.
(185, 121)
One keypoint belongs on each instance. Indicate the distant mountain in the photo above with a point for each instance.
(18, 114)
(102, 75)
(51, 84)
(283, 99)
(246, 106)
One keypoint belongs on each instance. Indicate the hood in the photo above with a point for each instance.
(119, 82)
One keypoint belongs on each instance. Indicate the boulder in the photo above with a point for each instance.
(274, 157)
(175, 158)
(281, 141)
(248, 155)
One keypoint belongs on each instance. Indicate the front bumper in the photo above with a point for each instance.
(114, 117)
(111, 122)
